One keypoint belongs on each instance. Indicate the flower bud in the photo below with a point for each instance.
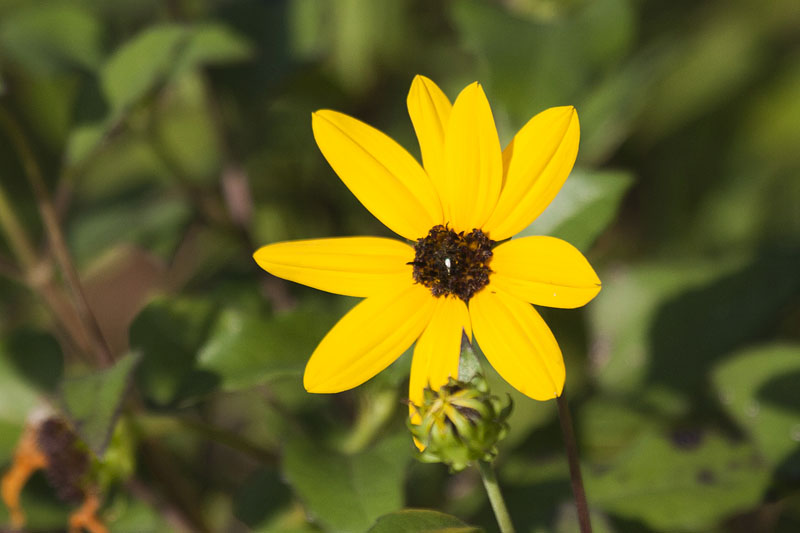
(460, 423)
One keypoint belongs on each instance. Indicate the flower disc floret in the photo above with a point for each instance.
(450, 263)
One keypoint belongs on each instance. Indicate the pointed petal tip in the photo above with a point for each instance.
(324, 114)
(422, 83)
(315, 386)
(565, 110)
(260, 256)
(471, 91)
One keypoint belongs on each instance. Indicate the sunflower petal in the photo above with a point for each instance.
(437, 352)
(535, 163)
(544, 271)
(518, 344)
(473, 161)
(379, 172)
(368, 339)
(353, 266)
(429, 109)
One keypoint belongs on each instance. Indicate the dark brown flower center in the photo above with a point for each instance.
(453, 263)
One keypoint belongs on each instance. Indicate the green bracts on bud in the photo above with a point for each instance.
(460, 423)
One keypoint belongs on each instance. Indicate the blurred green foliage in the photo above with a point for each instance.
(175, 138)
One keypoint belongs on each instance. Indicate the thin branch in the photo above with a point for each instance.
(38, 275)
(156, 424)
(578, 490)
(56, 237)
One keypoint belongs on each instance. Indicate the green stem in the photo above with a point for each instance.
(495, 497)
(578, 491)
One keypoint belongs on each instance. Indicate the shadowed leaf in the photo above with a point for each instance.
(93, 401)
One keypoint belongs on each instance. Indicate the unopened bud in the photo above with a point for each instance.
(460, 423)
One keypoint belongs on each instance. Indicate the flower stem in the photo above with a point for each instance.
(495, 497)
(578, 491)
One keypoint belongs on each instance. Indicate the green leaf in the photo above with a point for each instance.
(246, 350)
(468, 364)
(348, 492)
(49, 37)
(523, 59)
(43, 510)
(139, 65)
(37, 358)
(17, 397)
(162, 52)
(211, 44)
(129, 514)
(607, 427)
(673, 486)
(261, 497)
(420, 521)
(161, 222)
(586, 204)
(624, 346)
(692, 332)
(758, 388)
(93, 401)
(168, 333)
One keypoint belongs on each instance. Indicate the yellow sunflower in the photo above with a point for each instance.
(457, 272)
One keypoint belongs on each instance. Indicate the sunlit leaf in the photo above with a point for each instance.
(608, 427)
(131, 514)
(623, 350)
(759, 389)
(140, 64)
(246, 350)
(348, 492)
(162, 52)
(586, 204)
(211, 44)
(48, 37)
(674, 485)
(692, 332)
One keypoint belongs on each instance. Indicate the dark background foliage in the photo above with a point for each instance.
(175, 139)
